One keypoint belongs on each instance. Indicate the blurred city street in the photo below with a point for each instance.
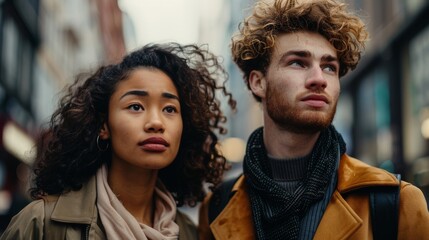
(383, 112)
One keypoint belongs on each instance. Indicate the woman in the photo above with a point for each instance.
(126, 147)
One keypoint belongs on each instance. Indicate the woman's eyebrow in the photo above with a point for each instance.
(135, 92)
(170, 96)
(145, 93)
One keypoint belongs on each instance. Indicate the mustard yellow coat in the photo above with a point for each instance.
(346, 217)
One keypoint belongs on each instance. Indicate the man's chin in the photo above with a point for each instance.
(305, 125)
(306, 128)
(302, 121)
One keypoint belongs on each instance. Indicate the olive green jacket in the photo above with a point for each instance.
(73, 215)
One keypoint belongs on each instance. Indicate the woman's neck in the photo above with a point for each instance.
(135, 189)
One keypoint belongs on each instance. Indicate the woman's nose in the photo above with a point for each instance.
(154, 123)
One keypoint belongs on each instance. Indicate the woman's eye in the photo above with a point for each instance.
(135, 107)
(170, 109)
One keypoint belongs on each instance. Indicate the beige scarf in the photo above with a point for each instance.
(120, 224)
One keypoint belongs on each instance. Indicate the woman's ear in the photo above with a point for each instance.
(104, 132)
(257, 83)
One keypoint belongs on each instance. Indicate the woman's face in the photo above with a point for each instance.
(144, 123)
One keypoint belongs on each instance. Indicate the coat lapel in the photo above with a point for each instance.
(339, 220)
(235, 221)
(77, 206)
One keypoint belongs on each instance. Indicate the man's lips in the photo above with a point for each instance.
(154, 144)
(315, 100)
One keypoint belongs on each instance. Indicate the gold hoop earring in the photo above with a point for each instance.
(98, 145)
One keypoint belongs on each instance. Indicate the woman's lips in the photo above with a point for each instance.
(154, 144)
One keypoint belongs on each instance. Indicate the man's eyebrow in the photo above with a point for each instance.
(145, 93)
(299, 53)
(303, 53)
(329, 58)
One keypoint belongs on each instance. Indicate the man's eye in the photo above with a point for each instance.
(330, 68)
(296, 63)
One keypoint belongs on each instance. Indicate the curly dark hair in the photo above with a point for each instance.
(67, 153)
(253, 45)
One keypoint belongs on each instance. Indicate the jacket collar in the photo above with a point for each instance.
(354, 174)
(235, 221)
(77, 206)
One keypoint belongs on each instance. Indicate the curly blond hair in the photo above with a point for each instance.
(252, 46)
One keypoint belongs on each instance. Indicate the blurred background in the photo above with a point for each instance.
(383, 112)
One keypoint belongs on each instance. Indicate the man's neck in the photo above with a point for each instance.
(281, 143)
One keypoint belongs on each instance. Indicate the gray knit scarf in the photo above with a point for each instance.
(276, 213)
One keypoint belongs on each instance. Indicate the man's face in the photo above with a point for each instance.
(302, 83)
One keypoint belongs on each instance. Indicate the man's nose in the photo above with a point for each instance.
(316, 79)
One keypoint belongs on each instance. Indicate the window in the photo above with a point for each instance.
(417, 98)
(10, 52)
(24, 80)
(374, 140)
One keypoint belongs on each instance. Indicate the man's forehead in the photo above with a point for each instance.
(303, 41)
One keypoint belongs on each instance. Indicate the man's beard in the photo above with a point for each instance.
(293, 119)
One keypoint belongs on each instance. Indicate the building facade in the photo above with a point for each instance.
(385, 101)
(19, 41)
(44, 44)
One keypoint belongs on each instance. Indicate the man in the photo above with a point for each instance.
(298, 182)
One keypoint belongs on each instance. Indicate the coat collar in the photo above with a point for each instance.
(235, 221)
(354, 174)
(77, 206)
